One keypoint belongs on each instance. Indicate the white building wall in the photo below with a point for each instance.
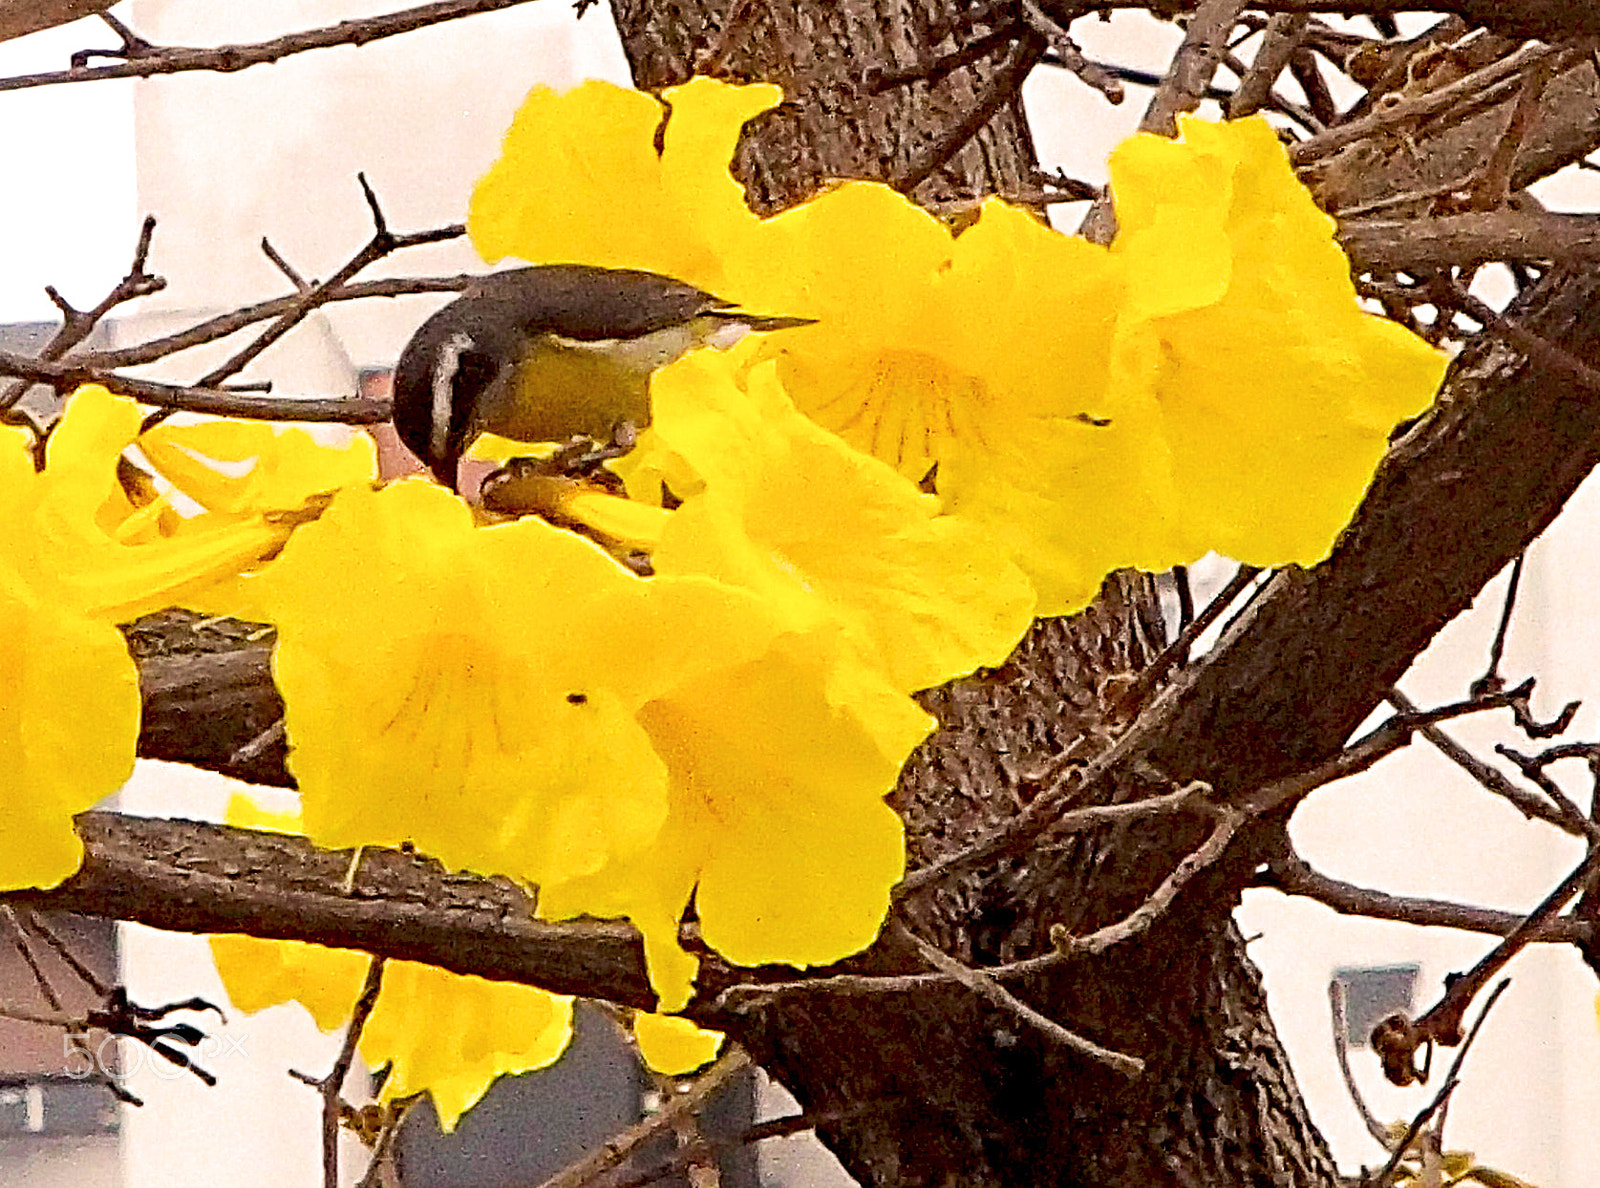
(1418, 825)
(273, 151)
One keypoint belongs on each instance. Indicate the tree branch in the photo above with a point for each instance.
(176, 59)
(354, 410)
(1293, 875)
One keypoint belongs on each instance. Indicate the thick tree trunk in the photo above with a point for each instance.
(969, 1094)
(835, 60)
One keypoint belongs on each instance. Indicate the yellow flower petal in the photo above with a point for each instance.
(780, 795)
(672, 1046)
(452, 1036)
(245, 466)
(441, 1033)
(570, 154)
(61, 671)
(825, 534)
(488, 677)
(1276, 392)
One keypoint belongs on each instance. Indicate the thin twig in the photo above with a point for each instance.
(1386, 1177)
(1192, 66)
(1442, 1022)
(258, 745)
(617, 1151)
(1341, 1051)
(1279, 41)
(75, 1031)
(1291, 874)
(331, 1087)
(283, 266)
(1306, 71)
(1470, 88)
(34, 923)
(1138, 921)
(973, 52)
(1176, 654)
(1491, 678)
(990, 990)
(25, 949)
(681, 1159)
(382, 243)
(232, 322)
(1446, 292)
(354, 410)
(76, 324)
(1004, 87)
(1562, 813)
(1492, 186)
(1379, 743)
(176, 59)
(1092, 815)
(1037, 815)
(1188, 78)
(1091, 74)
(1145, 78)
(381, 1146)
(1185, 592)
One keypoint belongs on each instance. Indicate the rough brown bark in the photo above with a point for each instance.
(836, 122)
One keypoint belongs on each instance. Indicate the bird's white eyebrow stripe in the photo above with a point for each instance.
(444, 374)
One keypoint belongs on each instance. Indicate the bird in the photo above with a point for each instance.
(549, 352)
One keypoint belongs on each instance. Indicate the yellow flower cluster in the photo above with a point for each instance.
(87, 545)
(1209, 382)
(522, 704)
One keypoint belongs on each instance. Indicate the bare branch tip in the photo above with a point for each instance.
(380, 225)
(60, 302)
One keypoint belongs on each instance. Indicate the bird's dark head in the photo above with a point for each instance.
(441, 375)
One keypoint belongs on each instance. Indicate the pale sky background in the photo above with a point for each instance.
(67, 214)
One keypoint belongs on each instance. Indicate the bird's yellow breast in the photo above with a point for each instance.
(564, 386)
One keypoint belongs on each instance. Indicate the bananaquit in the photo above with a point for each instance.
(551, 352)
